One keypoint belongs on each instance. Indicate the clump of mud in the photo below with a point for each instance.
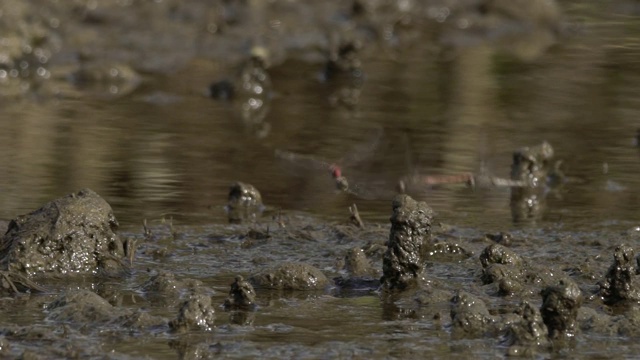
(86, 308)
(560, 304)
(290, 276)
(533, 165)
(503, 267)
(410, 234)
(241, 296)
(245, 203)
(621, 281)
(165, 288)
(360, 274)
(527, 331)
(75, 234)
(196, 313)
(470, 316)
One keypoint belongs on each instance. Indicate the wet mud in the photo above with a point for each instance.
(274, 282)
(290, 276)
(76, 234)
(245, 203)
(408, 240)
(502, 295)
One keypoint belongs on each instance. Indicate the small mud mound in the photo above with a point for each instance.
(241, 296)
(88, 309)
(195, 313)
(291, 276)
(470, 316)
(560, 305)
(245, 203)
(621, 282)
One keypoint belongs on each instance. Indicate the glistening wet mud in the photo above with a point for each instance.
(508, 126)
(182, 293)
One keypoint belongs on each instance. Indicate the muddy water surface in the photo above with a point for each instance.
(445, 91)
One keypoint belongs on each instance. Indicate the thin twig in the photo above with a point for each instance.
(355, 216)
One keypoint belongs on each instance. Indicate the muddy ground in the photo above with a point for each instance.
(312, 289)
(125, 124)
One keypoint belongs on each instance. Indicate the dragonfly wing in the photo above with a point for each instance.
(364, 151)
(307, 162)
(371, 191)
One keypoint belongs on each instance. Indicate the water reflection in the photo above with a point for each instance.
(444, 109)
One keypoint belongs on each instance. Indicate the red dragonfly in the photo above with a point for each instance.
(333, 169)
(359, 154)
(480, 180)
(385, 190)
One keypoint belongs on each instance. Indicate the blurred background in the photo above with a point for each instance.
(159, 106)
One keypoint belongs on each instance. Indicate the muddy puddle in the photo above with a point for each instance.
(245, 160)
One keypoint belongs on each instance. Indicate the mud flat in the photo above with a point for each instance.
(530, 298)
(266, 281)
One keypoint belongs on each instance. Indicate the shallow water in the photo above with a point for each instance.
(439, 114)
(168, 151)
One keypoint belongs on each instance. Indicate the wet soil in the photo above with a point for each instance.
(191, 301)
(201, 242)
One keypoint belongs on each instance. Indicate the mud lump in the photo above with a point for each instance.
(360, 275)
(620, 282)
(241, 296)
(73, 234)
(195, 313)
(410, 234)
(290, 276)
(533, 165)
(470, 316)
(245, 203)
(503, 267)
(560, 305)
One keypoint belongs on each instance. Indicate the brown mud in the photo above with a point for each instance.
(506, 299)
(159, 106)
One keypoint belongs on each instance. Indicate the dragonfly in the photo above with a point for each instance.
(480, 180)
(342, 184)
(472, 180)
(357, 155)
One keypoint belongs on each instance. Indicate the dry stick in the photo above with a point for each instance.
(279, 220)
(355, 216)
(132, 247)
(148, 235)
(172, 231)
(9, 283)
(12, 278)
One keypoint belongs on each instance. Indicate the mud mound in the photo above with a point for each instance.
(73, 234)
